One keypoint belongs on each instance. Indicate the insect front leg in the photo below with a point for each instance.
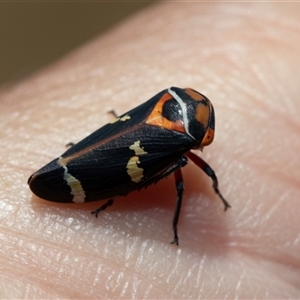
(176, 169)
(209, 172)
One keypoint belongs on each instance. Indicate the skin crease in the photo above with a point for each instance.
(245, 59)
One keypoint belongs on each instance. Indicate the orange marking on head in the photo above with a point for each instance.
(156, 118)
(194, 95)
(202, 114)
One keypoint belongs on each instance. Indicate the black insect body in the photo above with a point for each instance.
(137, 149)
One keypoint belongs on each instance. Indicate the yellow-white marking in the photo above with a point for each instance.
(136, 147)
(123, 119)
(135, 173)
(75, 185)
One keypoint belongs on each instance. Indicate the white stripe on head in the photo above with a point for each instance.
(184, 111)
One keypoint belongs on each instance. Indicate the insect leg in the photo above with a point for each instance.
(180, 189)
(69, 145)
(113, 113)
(176, 169)
(103, 207)
(209, 172)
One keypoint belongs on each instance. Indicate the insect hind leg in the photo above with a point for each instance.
(103, 207)
(113, 113)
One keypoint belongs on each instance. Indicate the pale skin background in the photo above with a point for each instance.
(245, 58)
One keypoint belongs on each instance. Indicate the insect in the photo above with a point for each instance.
(137, 149)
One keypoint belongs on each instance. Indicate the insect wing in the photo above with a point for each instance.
(116, 159)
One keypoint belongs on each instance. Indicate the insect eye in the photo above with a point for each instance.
(208, 138)
(172, 111)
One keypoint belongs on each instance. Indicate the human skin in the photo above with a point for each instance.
(245, 59)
